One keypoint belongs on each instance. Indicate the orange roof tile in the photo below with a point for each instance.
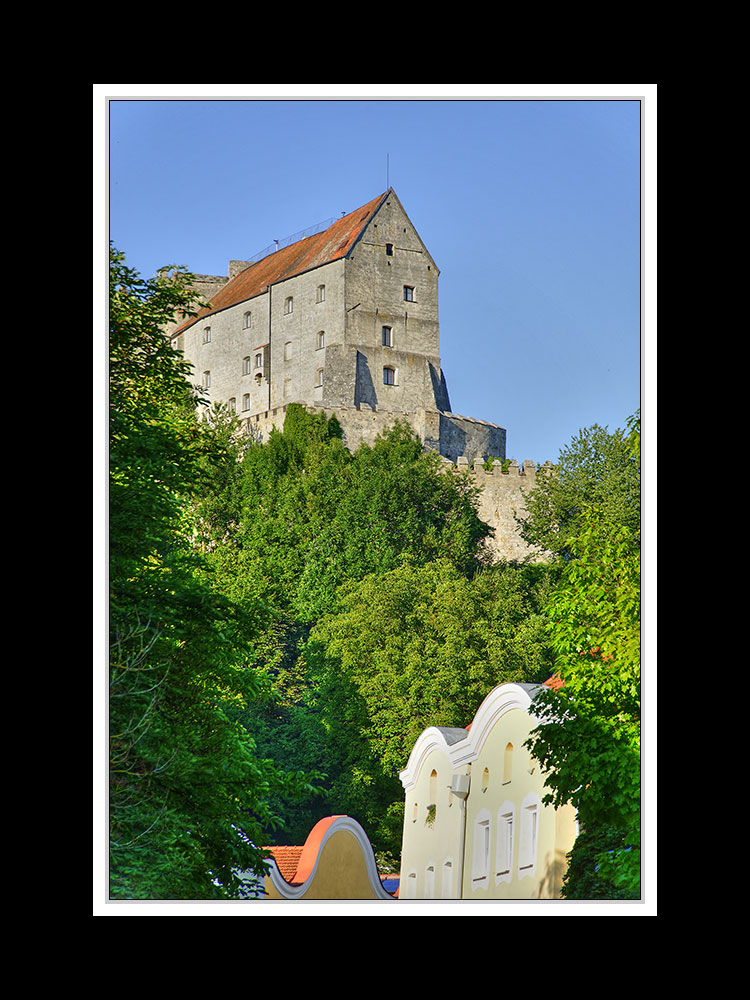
(307, 253)
(287, 859)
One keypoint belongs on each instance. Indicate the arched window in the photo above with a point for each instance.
(320, 340)
(246, 366)
(246, 401)
(206, 380)
(429, 882)
(289, 305)
(320, 295)
(389, 376)
(259, 360)
(247, 320)
(207, 335)
(433, 786)
(508, 763)
(319, 377)
(447, 886)
(288, 350)
(485, 779)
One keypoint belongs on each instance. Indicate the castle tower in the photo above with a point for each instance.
(345, 320)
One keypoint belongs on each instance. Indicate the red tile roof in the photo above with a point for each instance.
(307, 253)
(287, 859)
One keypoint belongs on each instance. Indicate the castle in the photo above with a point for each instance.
(345, 321)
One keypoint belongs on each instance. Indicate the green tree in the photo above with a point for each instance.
(589, 736)
(414, 647)
(311, 518)
(188, 791)
(597, 470)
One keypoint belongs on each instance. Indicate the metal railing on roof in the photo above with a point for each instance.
(288, 240)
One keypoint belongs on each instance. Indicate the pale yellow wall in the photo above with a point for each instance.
(437, 845)
(526, 877)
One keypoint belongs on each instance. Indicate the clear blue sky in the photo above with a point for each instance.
(530, 208)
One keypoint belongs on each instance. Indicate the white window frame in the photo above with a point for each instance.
(528, 836)
(506, 822)
(446, 887)
(480, 862)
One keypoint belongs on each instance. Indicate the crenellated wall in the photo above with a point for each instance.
(502, 503)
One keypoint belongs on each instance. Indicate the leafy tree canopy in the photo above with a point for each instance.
(598, 471)
(589, 737)
(188, 791)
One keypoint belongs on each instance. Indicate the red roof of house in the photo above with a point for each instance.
(287, 859)
(307, 253)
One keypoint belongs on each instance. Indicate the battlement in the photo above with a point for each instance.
(496, 467)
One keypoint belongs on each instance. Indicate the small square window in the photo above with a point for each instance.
(389, 376)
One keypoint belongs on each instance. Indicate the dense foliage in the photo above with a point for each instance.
(590, 731)
(188, 792)
(381, 612)
(286, 617)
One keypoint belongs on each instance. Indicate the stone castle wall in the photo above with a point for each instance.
(502, 503)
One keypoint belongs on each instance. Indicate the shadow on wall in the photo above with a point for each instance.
(551, 882)
(440, 390)
(364, 388)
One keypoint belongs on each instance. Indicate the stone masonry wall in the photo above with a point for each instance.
(503, 501)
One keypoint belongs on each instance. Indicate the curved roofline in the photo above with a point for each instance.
(500, 700)
(309, 860)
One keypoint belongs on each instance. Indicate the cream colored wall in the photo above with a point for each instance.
(537, 877)
(438, 844)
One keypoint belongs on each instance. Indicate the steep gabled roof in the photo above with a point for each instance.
(311, 251)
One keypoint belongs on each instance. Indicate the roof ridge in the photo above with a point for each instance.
(305, 254)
